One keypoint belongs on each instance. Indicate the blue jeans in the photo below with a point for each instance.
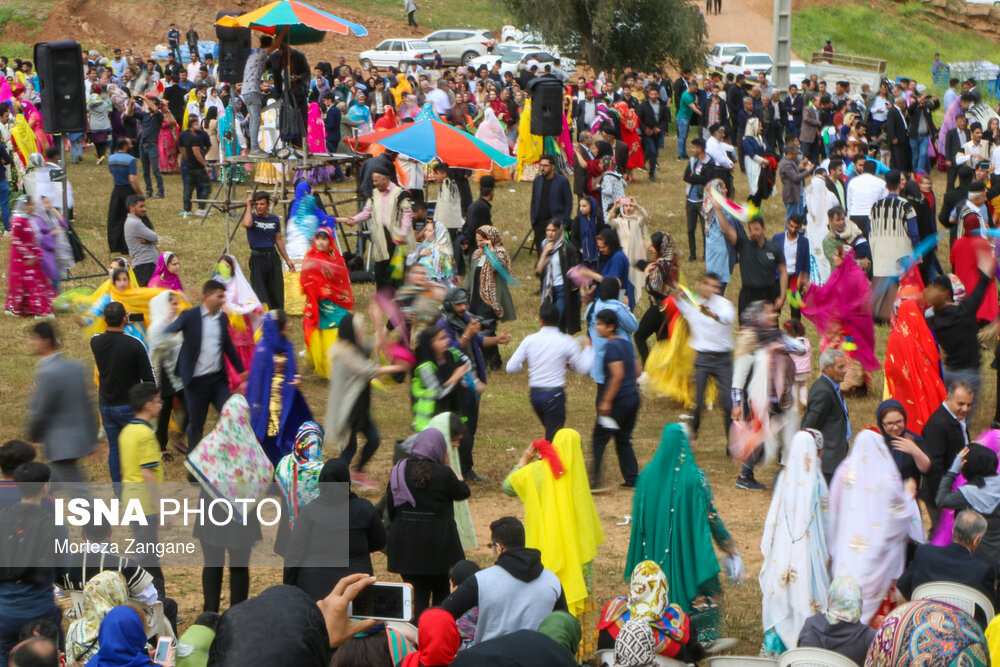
(114, 418)
(793, 209)
(10, 630)
(5, 204)
(918, 150)
(682, 135)
(76, 150)
(549, 404)
(150, 156)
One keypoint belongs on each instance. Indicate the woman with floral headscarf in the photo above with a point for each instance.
(488, 281)
(102, 593)
(794, 577)
(839, 628)
(297, 474)
(647, 600)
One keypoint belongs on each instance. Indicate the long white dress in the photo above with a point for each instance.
(819, 200)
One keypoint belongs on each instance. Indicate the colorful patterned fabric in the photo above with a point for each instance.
(648, 600)
(101, 594)
(229, 462)
(634, 646)
(929, 634)
(298, 472)
(29, 291)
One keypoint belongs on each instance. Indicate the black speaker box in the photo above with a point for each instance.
(546, 106)
(60, 76)
(234, 49)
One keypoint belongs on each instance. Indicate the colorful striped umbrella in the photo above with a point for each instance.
(431, 139)
(305, 24)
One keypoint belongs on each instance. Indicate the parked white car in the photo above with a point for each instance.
(511, 33)
(749, 64)
(398, 53)
(510, 55)
(796, 72)
(723, 53)
(460, 45)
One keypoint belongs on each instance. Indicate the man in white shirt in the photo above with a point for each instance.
(862, 192)
(439, 98)
(719, 151)
(549, 354)
(710, 320)
(976, 150)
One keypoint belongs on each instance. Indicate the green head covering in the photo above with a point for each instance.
(192, 647)
(564, 629)
(670, 520)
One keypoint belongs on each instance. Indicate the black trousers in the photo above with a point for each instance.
(211, 577)
(864, 223)
(163, 422)
(117, 212)
(413, 22)
(650, 323)
(372, 441)
(143, 272)
(266, 279)
(469, 409)
(200, 393)
(427, 588)
(694, 220)
(719, 367)
(196, 180)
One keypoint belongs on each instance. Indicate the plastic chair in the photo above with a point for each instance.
(157, 621)
(964, 597)
(606, 656)
(76, 611)
(739, 660)
(813, 657)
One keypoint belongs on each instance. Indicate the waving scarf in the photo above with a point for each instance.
(277, 439)
(913, 366)
(670, 520)
(560, 518)
(136, 301)
(324, 278)
(647, 600)
(872, 517)
(298, 472)
(101, 594)
(229, 462)
(438, 640)
(490, 271)
(602, 115)
(842, 304)
(794, 573)
(429, 445)
(163, 277)
(122, 639)
(665, 269)
(463, 515)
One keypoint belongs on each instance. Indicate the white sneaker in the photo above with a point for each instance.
(202, 211)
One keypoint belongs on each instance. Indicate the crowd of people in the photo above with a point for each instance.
(857, 247)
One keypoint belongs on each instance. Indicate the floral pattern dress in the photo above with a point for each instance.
(29, 292)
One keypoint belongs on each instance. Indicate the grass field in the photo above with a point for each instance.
(905, 35)
(507, 423)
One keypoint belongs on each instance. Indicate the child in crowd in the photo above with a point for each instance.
(803, 361)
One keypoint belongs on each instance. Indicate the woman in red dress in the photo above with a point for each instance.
(630, 135)
(29, 291)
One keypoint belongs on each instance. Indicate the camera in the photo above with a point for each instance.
(486, 324)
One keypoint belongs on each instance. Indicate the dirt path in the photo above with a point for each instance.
(744, 21)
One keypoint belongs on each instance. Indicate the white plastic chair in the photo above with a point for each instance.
(606, 656)
(813, 657)
(156, 620)
(964, 597)
(739, 661)
(75, 611)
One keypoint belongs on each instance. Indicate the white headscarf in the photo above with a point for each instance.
(490, 130)
(794, 578)
(819, 200)
(240, 297)
(872, 517)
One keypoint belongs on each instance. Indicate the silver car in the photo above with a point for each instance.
(460, 45)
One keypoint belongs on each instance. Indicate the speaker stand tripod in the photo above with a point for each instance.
(69, 223)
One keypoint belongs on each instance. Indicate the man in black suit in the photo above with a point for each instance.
(654, 121)
(897, 131)
(954, 140)
(551, 198)
(945, 434)
(826, 411)
(791, 111)
(200, 364)
(955, 562)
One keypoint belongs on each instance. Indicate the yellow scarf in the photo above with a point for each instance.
(193, 95)
(24, 138)
(402, 88)
(560, 518)
(529, 146)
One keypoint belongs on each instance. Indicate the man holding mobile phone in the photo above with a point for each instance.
(141, 240)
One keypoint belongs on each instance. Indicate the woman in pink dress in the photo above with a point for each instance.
(166, 275)
(244, 310)
(168, 143)
(316, 131)
(29, 291)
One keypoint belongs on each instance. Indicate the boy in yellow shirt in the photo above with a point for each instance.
(142, 469)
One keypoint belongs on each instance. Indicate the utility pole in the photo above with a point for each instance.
(782, 47)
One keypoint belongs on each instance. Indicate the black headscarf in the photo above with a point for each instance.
(334, 471)
(980, 463)
(345, 330)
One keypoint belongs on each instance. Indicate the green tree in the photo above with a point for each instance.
(610, 34)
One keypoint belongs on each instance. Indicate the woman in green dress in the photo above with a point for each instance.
(674, 523)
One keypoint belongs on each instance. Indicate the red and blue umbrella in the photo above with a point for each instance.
(427, 140)
(304, 24)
